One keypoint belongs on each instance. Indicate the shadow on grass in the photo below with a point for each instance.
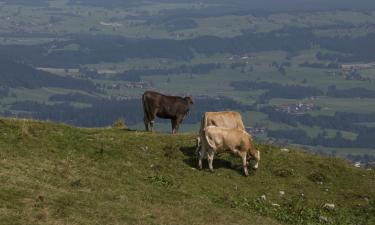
(192, 161)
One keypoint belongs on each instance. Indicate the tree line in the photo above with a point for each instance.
(332, 91)
(275, 90)
(15, 74)
(345, 121)
(103, 111)
(135, 74)
(104, 48)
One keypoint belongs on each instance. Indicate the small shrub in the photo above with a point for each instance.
(160, 180)
(119, 124)
(25, 129)
(283, 172)
(317, 176)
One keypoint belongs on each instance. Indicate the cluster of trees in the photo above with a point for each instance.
(73, 97)
(350, 93)
(301, 137)
(15, 75)
(275, 90)
(114, 49)
(281, 67)
(358, 49)
(340, 121)
(135, 75)
(180, 24)
(331, 65)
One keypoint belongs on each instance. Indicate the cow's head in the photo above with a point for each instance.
(189, 100)
(255, 157)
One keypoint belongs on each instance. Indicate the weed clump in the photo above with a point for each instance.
(119, 124)
(317, 177)
(284, 172)
(160, 180)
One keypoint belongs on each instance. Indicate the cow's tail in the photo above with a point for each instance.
(198, 145)
(200, 135)
(209, 141)
(203, 124)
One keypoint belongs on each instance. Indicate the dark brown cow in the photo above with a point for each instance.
(163, 106)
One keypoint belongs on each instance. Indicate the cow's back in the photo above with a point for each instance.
(151, 97)
(227, 119)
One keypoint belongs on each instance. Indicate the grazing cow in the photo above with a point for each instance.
(228, 119)
(236, 141)
(167, 107)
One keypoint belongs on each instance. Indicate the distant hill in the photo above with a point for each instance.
(19, 75)
(53, 173)
(238, 6)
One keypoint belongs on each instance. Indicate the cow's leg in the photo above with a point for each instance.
(198, 143)
(244, 163)
(152, 121)
(257, 158)
(145, 120)
(178, 122)
(174, 125)
(201, 154)
(210, 159)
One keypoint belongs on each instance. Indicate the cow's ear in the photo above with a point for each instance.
(189, 99)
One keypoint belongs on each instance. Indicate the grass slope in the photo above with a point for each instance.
(57, 174)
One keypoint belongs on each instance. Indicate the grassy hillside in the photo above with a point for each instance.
(57, 174)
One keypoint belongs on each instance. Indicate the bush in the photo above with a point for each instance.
(119, 124)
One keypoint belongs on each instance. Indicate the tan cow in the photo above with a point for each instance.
(236, 141)
(228, 119)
